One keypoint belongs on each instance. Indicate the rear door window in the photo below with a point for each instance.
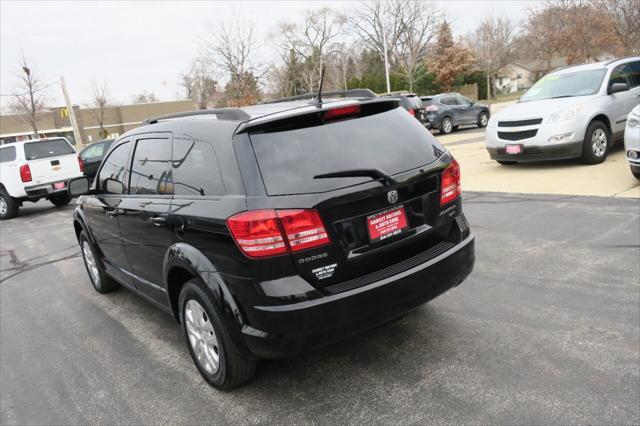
(392, 141)
(195, 169)
(7, 154)
(47, 149)
(634, 73)
(150, 167)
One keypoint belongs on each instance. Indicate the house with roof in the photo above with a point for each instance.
(520, 75)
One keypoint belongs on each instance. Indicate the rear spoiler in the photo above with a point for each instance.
(311, 116)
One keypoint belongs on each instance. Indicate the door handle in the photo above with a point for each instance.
(113, 212)
(158, 220)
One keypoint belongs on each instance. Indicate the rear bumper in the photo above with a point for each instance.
(538, 153)
(44, 190)
(293, 329)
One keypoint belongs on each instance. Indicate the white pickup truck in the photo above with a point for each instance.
(35, 169)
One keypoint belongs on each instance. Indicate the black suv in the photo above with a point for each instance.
(275, 229)
(412, 103)
(447, 111)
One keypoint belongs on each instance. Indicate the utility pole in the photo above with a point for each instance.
(386, 60)
(72, 115)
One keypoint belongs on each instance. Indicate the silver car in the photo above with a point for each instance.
(632, 141)
(573, 112)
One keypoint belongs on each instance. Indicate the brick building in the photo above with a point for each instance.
(117, 120)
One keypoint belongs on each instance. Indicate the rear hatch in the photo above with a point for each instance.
(380, 208)
(51, 160)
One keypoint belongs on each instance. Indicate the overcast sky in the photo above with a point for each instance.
(145, 45)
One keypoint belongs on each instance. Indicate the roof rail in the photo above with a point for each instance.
(351, 93)
(232, 114)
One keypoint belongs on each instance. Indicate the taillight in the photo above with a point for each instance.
(81, 164)
(412, 111)
(450, 187)
(332, 114)
(259, 233)
(303, 229)
(25, 173)
(432, 108)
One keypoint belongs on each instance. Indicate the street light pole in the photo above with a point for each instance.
(386, 60)
(72, 115)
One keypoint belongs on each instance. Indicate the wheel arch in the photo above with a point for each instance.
(184, 262)
(601, 117)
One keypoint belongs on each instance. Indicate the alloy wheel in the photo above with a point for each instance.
(3, 206)
(599, 142)
(91, 263)
(483, 119)
(202, 336)
(446, 125)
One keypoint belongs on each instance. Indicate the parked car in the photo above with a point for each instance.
(92, 156)
(574, 112)
(411, 102)
(447, 111)
(35, 169)
(632, 141)
(275, 229)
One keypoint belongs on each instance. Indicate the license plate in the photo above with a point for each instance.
(513, 149)
(386, 224)
(59, 185)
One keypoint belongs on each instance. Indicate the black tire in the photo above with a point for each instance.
(105, 284)
(483, 119)
(8, 206)
(506, 163)
(60, 200)
(590, 148)
(234, 369)
(446, 126)
(635, 173)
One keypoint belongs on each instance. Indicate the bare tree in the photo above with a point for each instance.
(99, 95)
(492, 44)
(311, 41)
(231, 47)
(376, 21)
(199, 84)
(543, 37)
(29, 96)
(627, 16)
(144, 97)
(419, 27)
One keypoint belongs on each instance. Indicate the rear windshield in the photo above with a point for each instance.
(414, 102)
(392, 141)
(47, 149)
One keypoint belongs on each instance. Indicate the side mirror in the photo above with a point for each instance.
(113, 186)
(78, 186)
(618, 87)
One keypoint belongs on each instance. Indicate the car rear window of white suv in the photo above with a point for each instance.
(47, 149)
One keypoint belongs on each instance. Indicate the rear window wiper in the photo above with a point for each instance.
(376, 174)
(562, 96)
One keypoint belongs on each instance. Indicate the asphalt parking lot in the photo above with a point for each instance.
(545, 330)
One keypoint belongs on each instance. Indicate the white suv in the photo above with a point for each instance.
(573, 112)
(35, 169)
